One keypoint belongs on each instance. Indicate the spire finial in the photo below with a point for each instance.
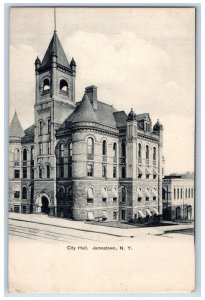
(54, 19)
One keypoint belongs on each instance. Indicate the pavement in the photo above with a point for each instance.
(82, 226)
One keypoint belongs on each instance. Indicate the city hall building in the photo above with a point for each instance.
(83, 160)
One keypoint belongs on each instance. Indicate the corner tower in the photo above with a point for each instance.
(55, 101)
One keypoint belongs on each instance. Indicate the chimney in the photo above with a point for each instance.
(91, 92)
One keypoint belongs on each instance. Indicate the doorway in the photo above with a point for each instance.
(45, 205)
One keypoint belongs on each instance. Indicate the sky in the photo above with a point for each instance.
(140, 58)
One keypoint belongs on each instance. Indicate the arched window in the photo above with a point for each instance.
(174, 193)
(61, 150)
(90, 145)
(123, 149)
(24, 154)
(189, 193)
(90, 195)
(104, 148)
(16, 155)
(48, 171)
(178, 213)
(49, 125)
(61, 193)
(139, 151)
(46, 84)
(147, 152)
(192, 192)
(32, 153)
(177, 193)
(40, 171)
(40, 127)
(114, 150)
(70, 149)
(24, 193)
(123, 194)
(185, 193)
(64, 87)
(104, 194)
(154, 154)
(181, 193)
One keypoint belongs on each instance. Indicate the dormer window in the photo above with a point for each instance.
(147, 126)
(64, 87)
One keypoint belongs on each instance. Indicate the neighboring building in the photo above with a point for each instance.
(83, 160)
(178, 198)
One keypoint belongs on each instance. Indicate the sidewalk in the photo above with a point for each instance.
(82, 226)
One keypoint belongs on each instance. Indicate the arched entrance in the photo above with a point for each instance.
(45, 205)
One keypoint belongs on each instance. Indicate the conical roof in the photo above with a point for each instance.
(55, 48)
(15, 129)
(84, 112)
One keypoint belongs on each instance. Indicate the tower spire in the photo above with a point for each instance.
(54, 19)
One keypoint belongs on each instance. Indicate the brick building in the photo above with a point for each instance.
(83, 160)
(178, 198)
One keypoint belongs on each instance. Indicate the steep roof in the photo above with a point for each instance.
(120, 118)
(15, 128)
(144, 116)
(29, 135)
(56, 48)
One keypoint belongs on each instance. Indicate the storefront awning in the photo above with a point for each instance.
(147, 172)
(155, 211)
(115, 193)
(90, 216)
(140, 213)
(154, 172)
(148, 212)
(139, 171)
(147, 193)
(139, 193)
(104, 214)
(90, 194)
(154, 192)
(104, 194)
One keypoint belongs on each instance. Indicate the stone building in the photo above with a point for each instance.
(178, 198)
(83, 160)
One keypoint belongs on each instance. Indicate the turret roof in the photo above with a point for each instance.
(15, 128)
(56, 48)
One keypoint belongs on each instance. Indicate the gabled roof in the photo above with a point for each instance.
(15, 128)
(144, 116)
(56, 48)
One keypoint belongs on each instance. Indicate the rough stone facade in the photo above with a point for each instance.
(85, 160)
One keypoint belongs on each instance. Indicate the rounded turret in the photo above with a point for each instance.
(132, 116)
(158, 126)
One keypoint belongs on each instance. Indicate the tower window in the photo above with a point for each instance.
(90, 145)
(154, 156)
(61, 150)
(49, 125)
(16, 156)
(48, 172)
(64, 87)
(49, 147)
(40, 127)
(24, 172)
(16, 173)
(32, 155)
(40, 172)
(46, 86)
(40, 148)
(70, 149)
(123, 172)
(123, 149)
